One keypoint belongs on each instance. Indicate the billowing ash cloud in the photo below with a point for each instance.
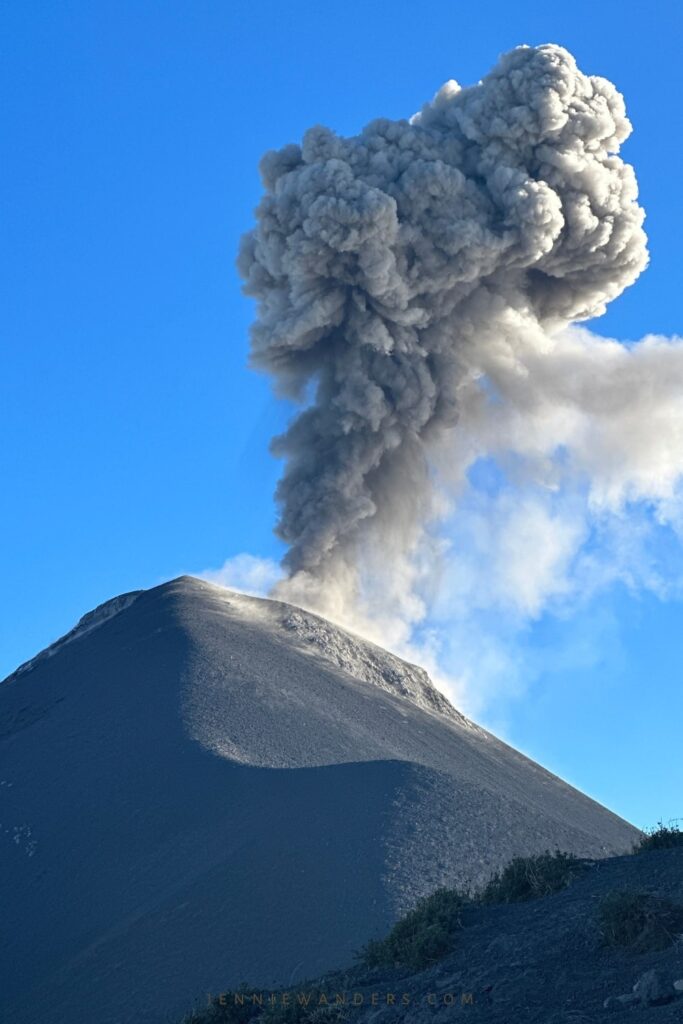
(389, 267)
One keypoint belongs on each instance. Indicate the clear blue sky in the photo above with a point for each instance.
(134, 441)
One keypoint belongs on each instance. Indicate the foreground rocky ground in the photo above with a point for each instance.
(540, 962)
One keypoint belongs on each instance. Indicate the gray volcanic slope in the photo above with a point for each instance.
(199, 788)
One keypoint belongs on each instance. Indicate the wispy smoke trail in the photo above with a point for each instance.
(415, 286)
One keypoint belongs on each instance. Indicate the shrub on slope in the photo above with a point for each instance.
(423, 936)
(639, 921)
(528, 878)
(662, 837)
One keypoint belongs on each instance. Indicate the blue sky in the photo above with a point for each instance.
(135, 440)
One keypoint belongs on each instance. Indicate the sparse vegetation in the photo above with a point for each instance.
(639, 921)
(528, 878)
(662, 837)
(428, 933)
(425, 935)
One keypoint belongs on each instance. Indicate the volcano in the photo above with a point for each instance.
(200, 788)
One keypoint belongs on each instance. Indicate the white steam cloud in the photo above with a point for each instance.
(463, 449)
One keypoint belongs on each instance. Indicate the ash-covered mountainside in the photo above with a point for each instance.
(199, 787)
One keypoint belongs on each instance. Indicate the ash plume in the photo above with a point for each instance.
(399, 272)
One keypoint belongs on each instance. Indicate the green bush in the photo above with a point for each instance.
(662, 837)
(425, 935)
(638, 921)
(527, 878)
